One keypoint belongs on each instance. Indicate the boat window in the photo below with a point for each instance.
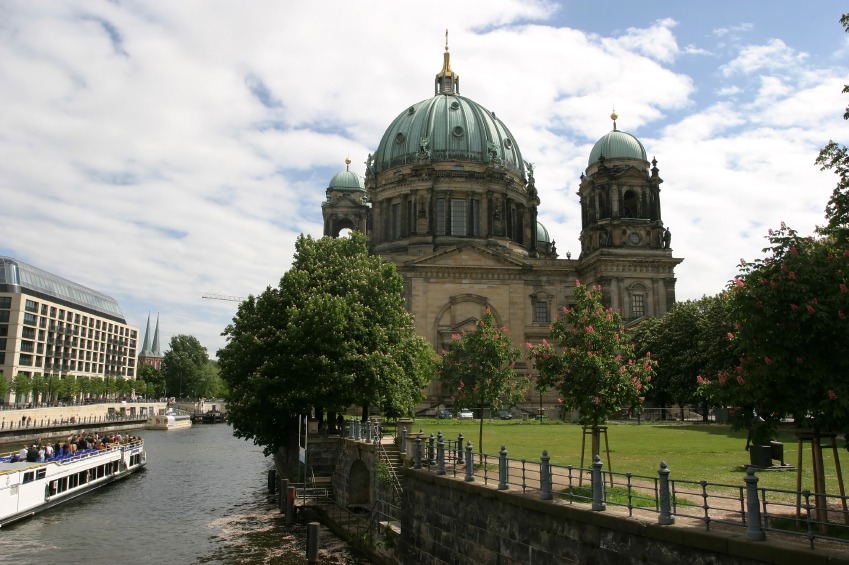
(40, 474)
(83, 477)
(29, 477)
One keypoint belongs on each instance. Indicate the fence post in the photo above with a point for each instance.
(351, 428)
(430, 451)
(376, 432)
(313, 541)
(272, 481)
(502, 468)
(440, 455)
(284, 493)
(545, 477)
(404, 440)
(460, 449)
(598, 486)
(665, 518)
(470, 463)
(754, 531)
(367, 426)
(418, 456)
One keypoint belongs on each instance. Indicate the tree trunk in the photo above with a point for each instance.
(596, 441)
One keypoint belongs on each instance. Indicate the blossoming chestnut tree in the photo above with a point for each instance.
(478, 369)
(590, 361)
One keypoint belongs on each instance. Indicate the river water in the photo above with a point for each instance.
(202, 498)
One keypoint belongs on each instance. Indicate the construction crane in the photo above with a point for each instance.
(222, 297)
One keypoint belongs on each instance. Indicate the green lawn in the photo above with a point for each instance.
(711, 452)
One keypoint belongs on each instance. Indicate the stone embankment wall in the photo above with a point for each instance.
(446, 520)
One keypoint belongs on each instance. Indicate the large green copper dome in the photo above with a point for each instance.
(617, 145)
(447, 127)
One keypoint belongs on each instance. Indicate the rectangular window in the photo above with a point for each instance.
(440, 216)
(52, 311)
(27, 346)
(61, 314)
(28, 333)
(25, 360)
(4, 315)
(2, 344)
(2, 358)
(40, 335)
(5, 302)
(474, 218)
(638, 307)
(31, 306)
(44, 309)
(4, 330)
(29, 319)
(458, 217)
(541, 312)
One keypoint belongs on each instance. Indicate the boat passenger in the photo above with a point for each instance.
(32, 454)
(48, 452)
(40, 458)
(22, 454)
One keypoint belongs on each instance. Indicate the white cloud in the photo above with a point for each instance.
(156, 151)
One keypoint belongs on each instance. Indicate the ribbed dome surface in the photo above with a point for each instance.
(542, 234)
(451, 128)
(617, 145)
(347, 181)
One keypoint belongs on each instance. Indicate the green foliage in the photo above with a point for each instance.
(153, 377)
(5, 385)
(334, 333)
(21, 385)
(791, 332)
(688, 341)
(183, 365)
(38, 386)
(590, 360)
(479, 369)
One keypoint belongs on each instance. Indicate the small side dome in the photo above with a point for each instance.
(617, 145)
(542, 234)
(347, 181)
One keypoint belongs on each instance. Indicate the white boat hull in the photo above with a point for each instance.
(28, 488)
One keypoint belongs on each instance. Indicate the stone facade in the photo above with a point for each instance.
(449, 199)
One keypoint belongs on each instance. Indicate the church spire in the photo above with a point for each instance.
(155, 346)
(145, 350)
(447, 82)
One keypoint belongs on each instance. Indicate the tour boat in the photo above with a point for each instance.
(169, 419)
(27, 487)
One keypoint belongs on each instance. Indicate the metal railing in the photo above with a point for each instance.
(755, 510)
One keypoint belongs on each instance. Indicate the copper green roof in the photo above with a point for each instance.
(447, 127)
(347, 181)
(617, 145)
(542, 234)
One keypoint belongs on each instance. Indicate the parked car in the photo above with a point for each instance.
(444, 414)
(505, 415)
(466, 414)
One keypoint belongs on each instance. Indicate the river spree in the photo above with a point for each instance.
(201, 499)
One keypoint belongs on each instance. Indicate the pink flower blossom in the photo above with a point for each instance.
(832, 395)
(739, 283)
(841, 315)
(793, 251)
(772, 284)
(590, 330)
(810, 309)
(794, 307)
(596, 400)
(700, 380)
(559, 401)
(730, 335)
(792, 275)
(768, 361)
(740, 380)
(843, 288)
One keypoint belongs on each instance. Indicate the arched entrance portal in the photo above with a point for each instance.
(359, 485)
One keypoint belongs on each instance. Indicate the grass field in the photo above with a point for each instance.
(711, 452)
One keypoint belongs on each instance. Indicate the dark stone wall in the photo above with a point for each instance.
(449, 521)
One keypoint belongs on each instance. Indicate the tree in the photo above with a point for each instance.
(154, 377)
(183, 365)
(38, 387)
(5, 385)
(211, 385)
(334, 333)
(686, 343)
(479, 369)
(21, 385)
(589, 359)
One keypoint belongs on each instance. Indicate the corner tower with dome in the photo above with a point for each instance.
(448, 197)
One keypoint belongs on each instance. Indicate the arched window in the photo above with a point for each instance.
(631, 204)
(541, 307)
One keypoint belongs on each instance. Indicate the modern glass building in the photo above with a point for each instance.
(52, 326)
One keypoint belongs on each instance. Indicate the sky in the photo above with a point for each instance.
(158, 150)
